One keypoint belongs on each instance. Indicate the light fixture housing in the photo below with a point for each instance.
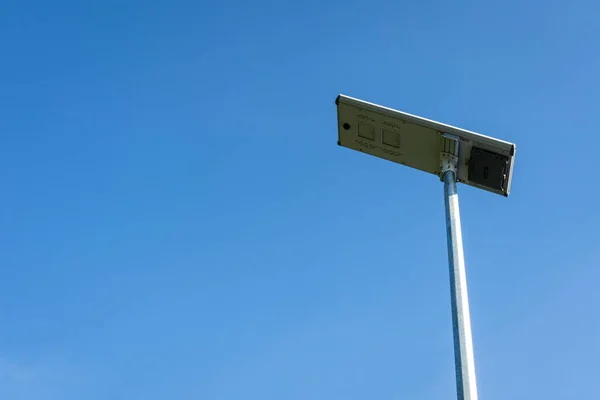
(483, 162)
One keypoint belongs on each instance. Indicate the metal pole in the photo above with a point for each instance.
(461, 320)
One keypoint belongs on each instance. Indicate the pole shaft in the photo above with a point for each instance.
(464, 361)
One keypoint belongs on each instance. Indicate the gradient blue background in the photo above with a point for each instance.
(177, 221)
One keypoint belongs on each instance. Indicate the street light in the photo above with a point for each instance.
(455, 155)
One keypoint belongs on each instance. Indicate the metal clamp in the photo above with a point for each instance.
(449, 153)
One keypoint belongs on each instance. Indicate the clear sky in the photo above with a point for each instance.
(177, 221)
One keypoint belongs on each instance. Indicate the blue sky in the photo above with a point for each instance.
(177, 221)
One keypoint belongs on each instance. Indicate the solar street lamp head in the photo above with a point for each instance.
(430, 146)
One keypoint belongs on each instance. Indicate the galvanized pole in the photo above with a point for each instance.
(461, 320)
